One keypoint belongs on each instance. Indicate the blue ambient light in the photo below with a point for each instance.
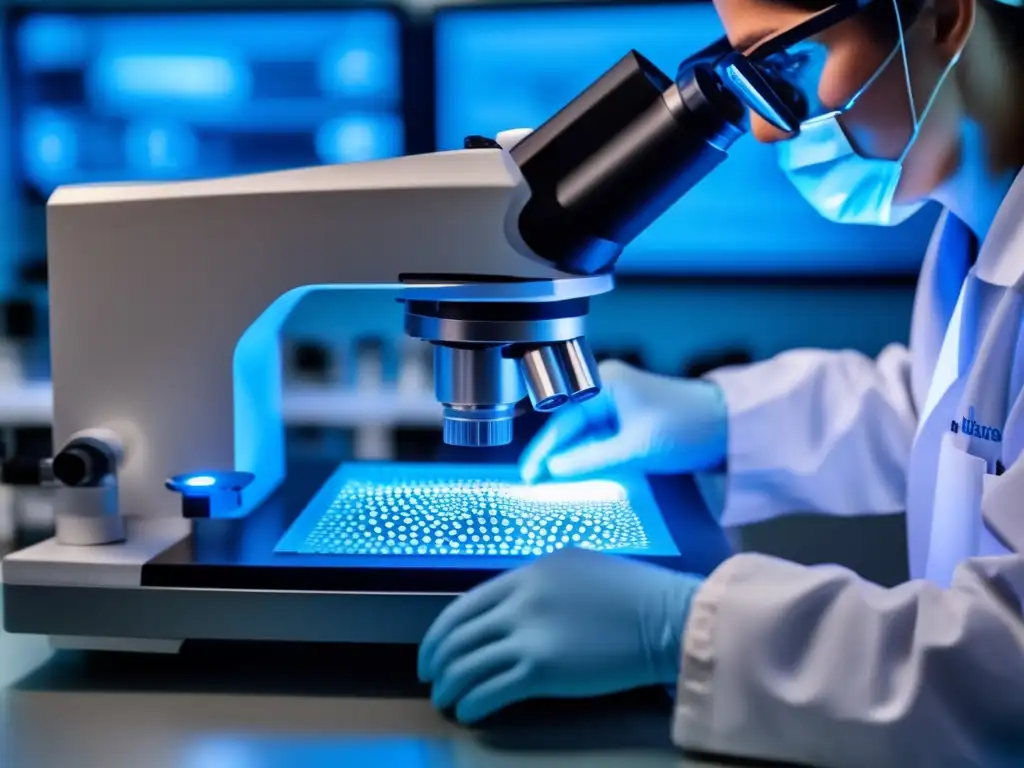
(155, 96)
(201, 481)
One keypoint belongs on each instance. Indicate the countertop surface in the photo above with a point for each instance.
(285, 707)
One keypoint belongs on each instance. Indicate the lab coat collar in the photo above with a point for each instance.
(1001, 260)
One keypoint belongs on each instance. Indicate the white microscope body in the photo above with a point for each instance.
(167, 301)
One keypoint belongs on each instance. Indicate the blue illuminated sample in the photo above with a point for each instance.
(479, 510)
(151, 96)
(502, 68)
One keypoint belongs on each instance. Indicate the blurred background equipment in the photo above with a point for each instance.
(136, 94)
(148, 91)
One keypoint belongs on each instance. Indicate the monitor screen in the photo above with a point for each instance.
(504, 68)
(174, 95)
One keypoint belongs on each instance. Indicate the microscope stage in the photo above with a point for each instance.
(454, 516)
(364, 553)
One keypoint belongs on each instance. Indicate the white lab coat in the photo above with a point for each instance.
(816, 666)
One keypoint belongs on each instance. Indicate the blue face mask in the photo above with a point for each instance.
(842, 185)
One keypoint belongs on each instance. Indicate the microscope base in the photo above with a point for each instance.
(172, 582)
(100, 618)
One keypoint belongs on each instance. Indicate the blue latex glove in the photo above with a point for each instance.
(644, 421)
(573, 624)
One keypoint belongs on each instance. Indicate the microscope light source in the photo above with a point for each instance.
(472, 511)
(206, 483)
(210, 494)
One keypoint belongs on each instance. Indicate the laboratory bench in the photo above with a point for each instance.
(292, 708)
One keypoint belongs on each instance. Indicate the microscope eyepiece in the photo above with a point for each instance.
(617, 157)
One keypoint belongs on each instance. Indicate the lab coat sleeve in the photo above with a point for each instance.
(818, 431)
(814, 666)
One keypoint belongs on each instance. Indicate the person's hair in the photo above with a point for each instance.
(1009, 23)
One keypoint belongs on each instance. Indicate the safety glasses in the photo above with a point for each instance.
(779, 77)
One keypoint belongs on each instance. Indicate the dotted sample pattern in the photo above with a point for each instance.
(473, 517)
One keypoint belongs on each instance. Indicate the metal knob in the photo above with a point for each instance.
(81, 465)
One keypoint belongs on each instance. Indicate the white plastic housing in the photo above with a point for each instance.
(166, 299)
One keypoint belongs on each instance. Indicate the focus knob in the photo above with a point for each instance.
(81, 465)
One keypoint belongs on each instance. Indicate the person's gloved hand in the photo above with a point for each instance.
(573, 624)
(653, 423)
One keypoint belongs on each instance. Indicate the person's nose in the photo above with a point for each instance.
(765, 132)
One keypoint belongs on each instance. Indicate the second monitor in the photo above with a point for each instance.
(112, 96)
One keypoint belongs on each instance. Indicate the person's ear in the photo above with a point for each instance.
(952, 23)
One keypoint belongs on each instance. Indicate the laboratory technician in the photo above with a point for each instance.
(924, 100)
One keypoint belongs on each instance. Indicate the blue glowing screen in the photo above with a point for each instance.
(160, 96)
(505, 68)
(474, 511)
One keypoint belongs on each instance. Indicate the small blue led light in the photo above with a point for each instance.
(196, 484)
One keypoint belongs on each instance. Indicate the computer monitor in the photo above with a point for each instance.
(514, 67)
(103, 96)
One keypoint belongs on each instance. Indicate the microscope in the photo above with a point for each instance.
(165, 305)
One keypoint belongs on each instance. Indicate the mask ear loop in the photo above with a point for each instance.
(863, 89)
(906, 70)
(910, 91)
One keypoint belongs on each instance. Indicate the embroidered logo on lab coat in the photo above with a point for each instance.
(972, 428)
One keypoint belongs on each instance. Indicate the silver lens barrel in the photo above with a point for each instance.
(579, 368)
(558, 373)
(545, 382)
(478, 389)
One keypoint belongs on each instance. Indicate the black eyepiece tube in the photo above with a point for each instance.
(617, 157)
